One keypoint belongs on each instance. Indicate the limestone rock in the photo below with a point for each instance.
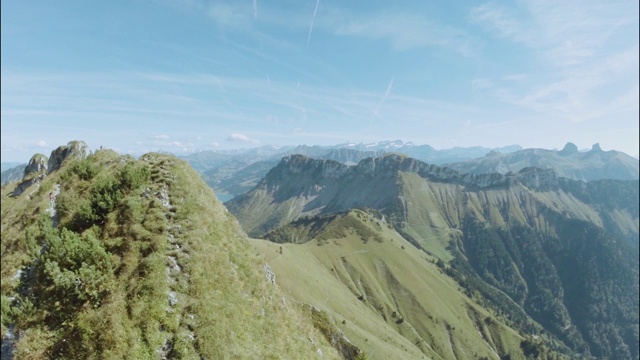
(59, 155)
(33, 173)
(37, 164)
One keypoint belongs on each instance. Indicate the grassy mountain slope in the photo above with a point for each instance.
(387, 296)
(136, 259)
(488, 227)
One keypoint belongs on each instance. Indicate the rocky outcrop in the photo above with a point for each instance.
(37, 164)
(59, 155)
(25, 184)
(35, 171)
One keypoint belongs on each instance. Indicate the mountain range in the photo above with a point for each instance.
(362, 254)
(233, 173)
(594, 164)
(554, 256)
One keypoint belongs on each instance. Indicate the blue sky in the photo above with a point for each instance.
(188, 75)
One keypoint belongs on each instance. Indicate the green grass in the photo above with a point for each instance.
(388, 297)
(148, 216)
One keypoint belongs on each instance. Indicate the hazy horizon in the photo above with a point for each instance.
(93, 147)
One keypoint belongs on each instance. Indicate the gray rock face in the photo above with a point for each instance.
(26, 183)
(59, 155)
(37, 164)
(33, 173)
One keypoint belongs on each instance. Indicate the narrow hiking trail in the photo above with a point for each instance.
(176, 255)
(51, 210)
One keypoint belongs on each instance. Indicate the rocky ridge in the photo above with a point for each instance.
(39, 165)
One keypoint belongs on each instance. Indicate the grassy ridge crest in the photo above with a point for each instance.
(136, 259)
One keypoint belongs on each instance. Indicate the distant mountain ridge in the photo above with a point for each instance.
(328, 186)
(231, 173)
(595, 164)
(9, 165)
(12, 174)
(429, 154)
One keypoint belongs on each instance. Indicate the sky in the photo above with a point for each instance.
(189, 75)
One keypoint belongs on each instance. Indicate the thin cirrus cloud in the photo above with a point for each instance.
(242, 138)
(564, 33)
(574, 59)
(324, 107)
(400, 29)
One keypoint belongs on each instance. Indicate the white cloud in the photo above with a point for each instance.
(159, 137)
(236, 137)
(180, 146)
(41, 144)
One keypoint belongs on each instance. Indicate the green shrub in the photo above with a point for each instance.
(7, 311)
(72, 271)
(134, 175)
(85, 168)
(105, 195)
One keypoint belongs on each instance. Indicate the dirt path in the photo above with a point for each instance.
(51, 210)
